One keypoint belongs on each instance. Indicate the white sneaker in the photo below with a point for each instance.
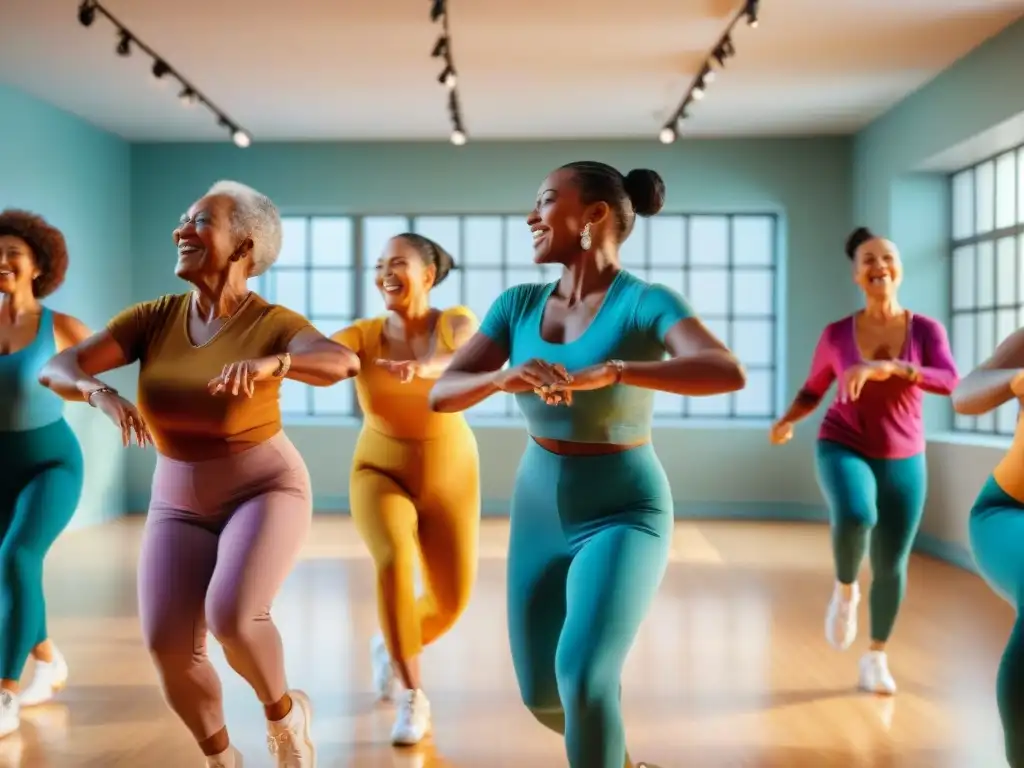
(874, 673)
(48, 679)
(413, 721)
(10, 713)
(229, 758)
(383, 672)
(841, 619)
(290, 739)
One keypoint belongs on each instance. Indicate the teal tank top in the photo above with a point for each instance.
(25, 403)
(630, 324)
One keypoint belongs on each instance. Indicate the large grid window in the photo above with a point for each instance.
(724, 264)
(987, 293)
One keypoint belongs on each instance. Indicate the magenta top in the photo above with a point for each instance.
(886, 421)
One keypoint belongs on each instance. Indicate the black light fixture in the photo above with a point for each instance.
(189, 95)
(448, 77)
(124, 45)
(722, 51)
(86, 13)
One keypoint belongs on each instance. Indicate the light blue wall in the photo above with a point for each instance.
(78, 177)
(713, 470)
(982, 90)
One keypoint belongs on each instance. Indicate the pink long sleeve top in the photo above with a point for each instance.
(886, 421)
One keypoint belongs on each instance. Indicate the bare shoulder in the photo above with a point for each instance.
(68, 330)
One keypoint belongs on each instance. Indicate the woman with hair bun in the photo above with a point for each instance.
(870, 450)
(415, 490)
(591, 513)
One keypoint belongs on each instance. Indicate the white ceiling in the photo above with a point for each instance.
(327, 69)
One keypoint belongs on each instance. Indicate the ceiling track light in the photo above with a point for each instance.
(448, 77)
(86, 13)
(189, 95)
(723, 50)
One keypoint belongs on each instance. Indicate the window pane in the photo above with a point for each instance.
(963, 343)
(667, 241)
(986, 422)
(709, 240)
(633, 252)
(377, 230)
(668, 405)
(753, 240)
(752, 292)
(719, 328)
(1020, 186)
(448, 293)
(289, 290)
(705, 407)
(1006, 417)
(673, 278)
(443, 230)
(1006, 181)
(332, 241)
(986, 336)
(495, 405)
(483, 286)
(984, 197)
(709, 292)
(334, 401)
(332, 292)
(1006, 323)
(293, 242)
(963, 205)
(752, 341)
(294, 401)
(755, 399)
(518, 241)
(965, 423)
(986, 275)
(482, 244)
(550, 272)
(520, 275)
(963, 277)
(1006, 272)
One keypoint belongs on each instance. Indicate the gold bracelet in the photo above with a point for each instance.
(619, 367)
(285, 363)
(98, 391)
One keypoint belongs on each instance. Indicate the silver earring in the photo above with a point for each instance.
(585, 241)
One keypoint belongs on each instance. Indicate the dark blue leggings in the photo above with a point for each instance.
(590, 538)
(876, 503)
(40, 484)
(997, 541)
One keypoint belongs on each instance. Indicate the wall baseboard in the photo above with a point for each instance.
(779, 511)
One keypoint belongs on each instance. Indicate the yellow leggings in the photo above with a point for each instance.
(418, 498)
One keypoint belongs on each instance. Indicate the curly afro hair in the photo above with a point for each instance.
(49, 250)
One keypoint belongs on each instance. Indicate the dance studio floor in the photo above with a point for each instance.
(730, 669)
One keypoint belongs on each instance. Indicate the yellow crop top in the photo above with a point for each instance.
(187, 422)
(389, 406)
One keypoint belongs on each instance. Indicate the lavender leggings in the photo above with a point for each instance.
(221, 537)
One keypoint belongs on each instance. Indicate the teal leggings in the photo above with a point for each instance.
(997, 540)
(40, 484)
(590, 538)
(876, 501)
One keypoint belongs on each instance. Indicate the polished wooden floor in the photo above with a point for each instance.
(730, 669)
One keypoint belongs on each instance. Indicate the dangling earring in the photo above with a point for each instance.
(585, 241)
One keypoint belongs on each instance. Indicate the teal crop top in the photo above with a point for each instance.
(25, 403)
(630, 325)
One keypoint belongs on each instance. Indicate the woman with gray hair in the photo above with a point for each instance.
(231, 503)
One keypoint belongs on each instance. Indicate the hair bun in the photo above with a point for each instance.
(646, 191)
(856, 239)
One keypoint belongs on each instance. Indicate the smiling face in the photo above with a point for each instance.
(204, 238)
(877, 268)
(559, 216)
(403, 277)
(17, 265)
